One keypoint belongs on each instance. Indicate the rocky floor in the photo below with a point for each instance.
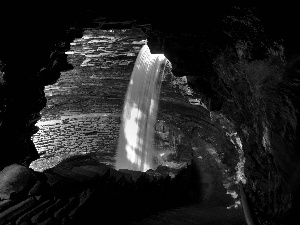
(195, 215)
(81, 191)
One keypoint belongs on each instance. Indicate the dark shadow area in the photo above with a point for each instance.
(124, 200)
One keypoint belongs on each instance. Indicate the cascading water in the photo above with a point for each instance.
(135, 147)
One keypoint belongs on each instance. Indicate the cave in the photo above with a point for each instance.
(226, 133)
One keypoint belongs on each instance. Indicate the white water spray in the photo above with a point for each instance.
(135, 147)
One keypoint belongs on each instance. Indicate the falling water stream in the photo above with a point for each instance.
(135, 148)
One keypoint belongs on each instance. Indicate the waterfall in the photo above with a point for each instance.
(136, 139)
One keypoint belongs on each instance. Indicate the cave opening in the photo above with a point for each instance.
(228, 112)
(83, 117)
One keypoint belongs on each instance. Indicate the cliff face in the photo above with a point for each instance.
(265, 116)
(245, 71)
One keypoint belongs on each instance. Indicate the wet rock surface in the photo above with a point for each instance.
(85, 104)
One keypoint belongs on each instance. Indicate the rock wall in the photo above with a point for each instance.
(265, 117)
(250, 76)
(84, 106)
(38, 51)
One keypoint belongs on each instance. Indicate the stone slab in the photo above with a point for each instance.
(26, 216)
(13, 212)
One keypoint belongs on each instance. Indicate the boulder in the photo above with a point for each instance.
(135, 174)
(15, 180)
